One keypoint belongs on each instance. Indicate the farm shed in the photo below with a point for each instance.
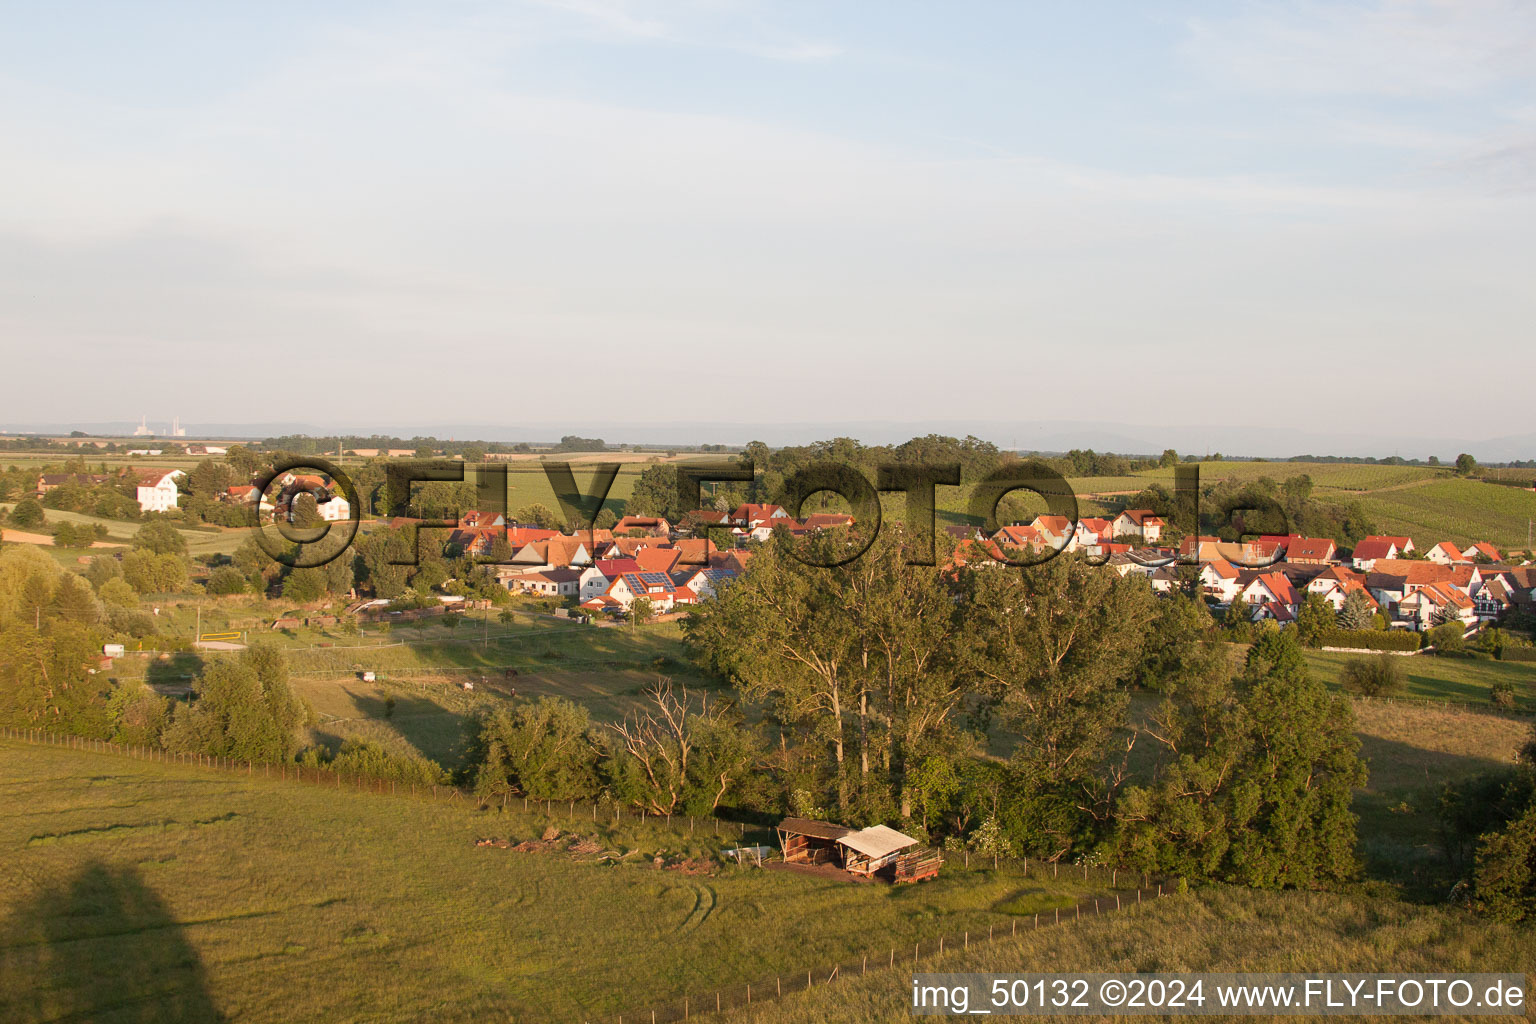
(811, 842)
(870, 849)
(857, 851)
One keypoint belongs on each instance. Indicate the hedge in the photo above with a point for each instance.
(1370, 639)
(1512, 653)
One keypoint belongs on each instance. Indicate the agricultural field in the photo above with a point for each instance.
(1461, 511)
(139, 890)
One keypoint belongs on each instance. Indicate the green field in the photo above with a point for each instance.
(1461, 511)
(143, 891)
(1217, 929)
(208, 540)
(1428, 677)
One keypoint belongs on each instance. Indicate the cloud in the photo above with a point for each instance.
(1387, 48)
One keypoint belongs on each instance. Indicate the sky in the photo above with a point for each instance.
(582, 213)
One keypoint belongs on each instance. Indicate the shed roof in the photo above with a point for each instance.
(815, 829)
(877, 841)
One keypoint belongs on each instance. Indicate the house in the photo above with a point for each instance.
(827, 520)
(1272, 588)
(50, 481)
(1139, 522)
(1335, 585)
(1054, 531)
(1372, 549)
(1219, 580)
(1445, 553)
(248, 495)
(156, 490)
(750, 514)
(704, 583)
(657, 559)
(1482, 551)
(548, 582)
(1281, 613)
(1020, 538)
(1435, 602)
(1092, 532)
(650, 526)
(599, 576)
(1311, 551)
(656, 587)
(1164, 580)
(335, 509)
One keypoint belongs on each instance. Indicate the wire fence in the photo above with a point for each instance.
(765, 990)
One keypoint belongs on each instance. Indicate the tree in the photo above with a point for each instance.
(26, 514)
(149, 573)
(1504, 881)
(677, 752)
(1465, 464)
(117, 593)
(539, 515)
(1168, 458)
(1357, 613)
(1314, 618)
(226, 580)
(378, 551)
(304, 586)
(641, 611)
(1054, 646)
(540, 749)
(161, 538)
(655, 493)
(1257, 787)
(243, 708)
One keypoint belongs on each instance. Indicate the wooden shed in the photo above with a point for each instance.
(805, 841)
(865, 851)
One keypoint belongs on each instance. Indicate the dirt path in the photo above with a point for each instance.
(20, 537)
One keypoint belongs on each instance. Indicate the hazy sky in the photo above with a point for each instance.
(581, 212)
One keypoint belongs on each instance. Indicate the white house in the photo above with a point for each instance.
(1219, 579)
(157, 490)
(1139, 522)
(1444, 553)
(335, 510)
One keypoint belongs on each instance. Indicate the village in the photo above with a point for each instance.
(600, 574)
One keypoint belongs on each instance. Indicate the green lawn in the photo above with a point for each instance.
(1427, 676)
(201, 541)
(142, 891)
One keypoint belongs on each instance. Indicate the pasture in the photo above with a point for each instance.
(140, 890)
(1213, 929)
(1429, 677)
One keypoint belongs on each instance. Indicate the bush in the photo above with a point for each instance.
(1374, 677)
(1370, 639)
(1448, 637)
(1502, 694)
(226, 580)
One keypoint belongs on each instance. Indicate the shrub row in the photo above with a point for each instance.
(1512, 653)
(1370, 639)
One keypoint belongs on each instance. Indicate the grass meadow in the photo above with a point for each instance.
(138, 890)
(1215, 929)
(1430, 677)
